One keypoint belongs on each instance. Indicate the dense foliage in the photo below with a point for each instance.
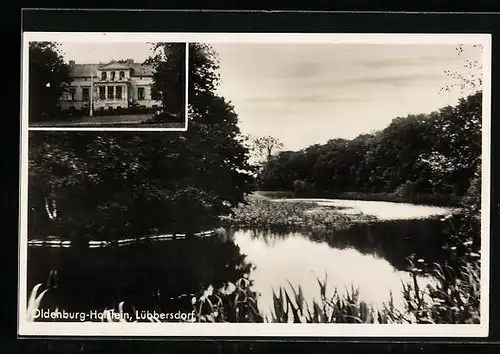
(169, 77)
(435, 153)
(115, 184)
(48, 78)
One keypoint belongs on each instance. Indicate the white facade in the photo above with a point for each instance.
(112, 85)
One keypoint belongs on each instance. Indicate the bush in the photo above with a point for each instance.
(472, 199)
(72, 112)
(163, 117)
(110, 111)
(299, 186)
(406, 190)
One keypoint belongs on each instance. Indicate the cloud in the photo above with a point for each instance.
(309, 94)
(375, 81)
(405, 62)
(394, 80)
(302, 70)
(301, 98)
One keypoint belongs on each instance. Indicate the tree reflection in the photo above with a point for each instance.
(394, 240)
(161, 275)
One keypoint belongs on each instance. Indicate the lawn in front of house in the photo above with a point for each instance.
(95, 121)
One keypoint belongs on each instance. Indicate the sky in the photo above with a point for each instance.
(94, 53)
(305, 94)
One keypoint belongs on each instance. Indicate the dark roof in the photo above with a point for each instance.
(116, 66)
(85, 70)
(142, 70)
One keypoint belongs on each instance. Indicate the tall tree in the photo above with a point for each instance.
(48, 79)
(267, 146)
(169, 77)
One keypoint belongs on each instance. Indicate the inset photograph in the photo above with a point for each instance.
(106, 84)
(326, 186)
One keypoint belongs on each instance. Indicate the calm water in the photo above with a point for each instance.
(166, 274)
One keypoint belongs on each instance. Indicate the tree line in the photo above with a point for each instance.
(425, 154)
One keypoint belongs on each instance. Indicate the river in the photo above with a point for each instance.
(371, 258)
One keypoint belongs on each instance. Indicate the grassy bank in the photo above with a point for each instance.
(262, 213)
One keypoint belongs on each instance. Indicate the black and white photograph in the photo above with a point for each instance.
(74, 84)
(326, 185)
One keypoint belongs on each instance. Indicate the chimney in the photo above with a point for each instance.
(130, 61)
(71, 63)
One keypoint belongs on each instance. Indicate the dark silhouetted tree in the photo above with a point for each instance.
(169, 77)
(48, 79)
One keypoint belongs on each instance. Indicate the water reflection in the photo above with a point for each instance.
(393, 241)
(295, 259)
(161, 275)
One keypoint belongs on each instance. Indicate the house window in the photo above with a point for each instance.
(122, 75)
(102, 92)
(103, 76)
(111, 92)
(72, 94)
(118, 92)
(140, 93)
(113, 74)
(85, 93)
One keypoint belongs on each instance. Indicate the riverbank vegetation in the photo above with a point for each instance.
(447, 301)
(450, 300)
(264, 214)
(453, 295)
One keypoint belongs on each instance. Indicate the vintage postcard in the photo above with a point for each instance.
(262, 185)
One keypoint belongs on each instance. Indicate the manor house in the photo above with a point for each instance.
(115, 84)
